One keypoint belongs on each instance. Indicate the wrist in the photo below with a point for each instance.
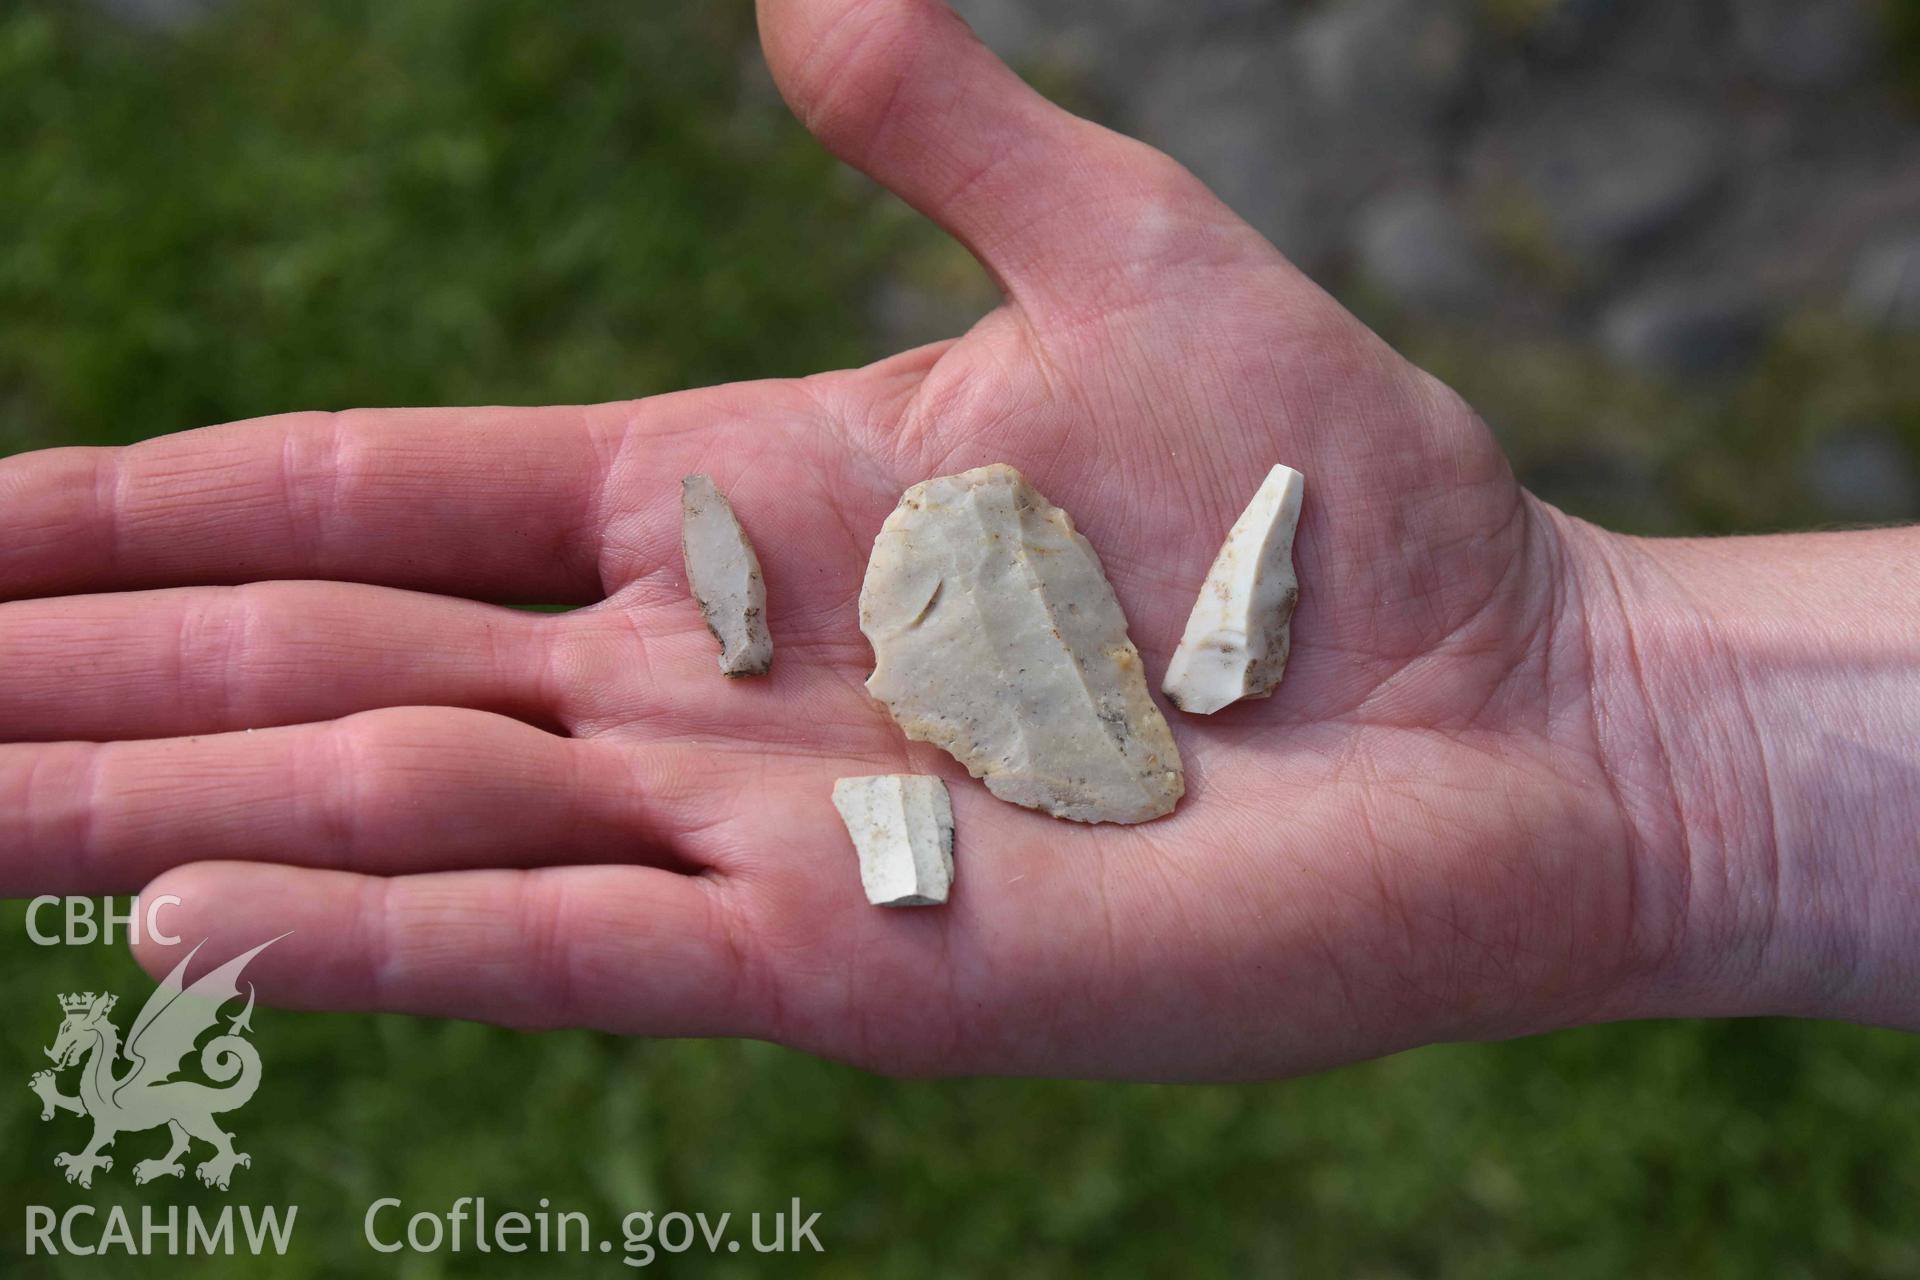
(1756, 706)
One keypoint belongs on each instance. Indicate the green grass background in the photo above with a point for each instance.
(446, 201)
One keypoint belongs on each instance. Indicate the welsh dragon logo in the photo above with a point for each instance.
(145, 1095)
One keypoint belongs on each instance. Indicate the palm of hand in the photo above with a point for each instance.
(1352, 857)
(1406, 842)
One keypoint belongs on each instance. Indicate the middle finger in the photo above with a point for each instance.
(151, 664)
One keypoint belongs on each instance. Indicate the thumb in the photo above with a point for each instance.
(1052, 205)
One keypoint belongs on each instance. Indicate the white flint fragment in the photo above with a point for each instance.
(902, 828)
(724, 576)
(1238, 634)
(997, 638)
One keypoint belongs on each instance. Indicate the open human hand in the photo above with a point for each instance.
(260, 662)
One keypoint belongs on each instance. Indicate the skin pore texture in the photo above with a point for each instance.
(1522, 773)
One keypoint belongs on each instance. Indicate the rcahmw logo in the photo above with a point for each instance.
(136, 1086)
(161, 1230)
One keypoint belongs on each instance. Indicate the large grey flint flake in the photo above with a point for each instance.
(997, 638)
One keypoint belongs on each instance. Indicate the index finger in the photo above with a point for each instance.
(507, 504)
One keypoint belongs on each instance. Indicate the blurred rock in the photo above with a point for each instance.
(1807, 44)
(1416, 250)
(1112, 45)
(905, 315)
(1014, 30)
(1863, 473)
(1599, 481)
(1636, 41)
(1607, 166)
(1569, 28)
(1228, 111)
(1385, 57)
(1886, 284)
(1686, 331)
(1573, 167)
